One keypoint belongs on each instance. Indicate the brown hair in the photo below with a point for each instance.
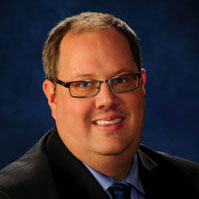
(84, 22)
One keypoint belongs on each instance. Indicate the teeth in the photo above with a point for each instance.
(105, 122)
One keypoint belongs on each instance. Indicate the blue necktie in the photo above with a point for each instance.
(120, 191)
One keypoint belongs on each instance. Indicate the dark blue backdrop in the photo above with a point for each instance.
(169, 40)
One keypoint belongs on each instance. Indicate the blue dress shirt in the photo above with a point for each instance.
(137, 191)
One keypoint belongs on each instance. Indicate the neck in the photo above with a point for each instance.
(116, 166)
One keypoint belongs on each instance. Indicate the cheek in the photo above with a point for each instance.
(134, 99)
(73, 111)
(135, 104)
(73, 121)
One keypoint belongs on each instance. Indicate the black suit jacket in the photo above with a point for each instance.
(50, 171)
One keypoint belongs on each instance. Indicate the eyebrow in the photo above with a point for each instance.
(117, 73)
(122, 71)
(85, 75)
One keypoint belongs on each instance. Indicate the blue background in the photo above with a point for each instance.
(169, 39)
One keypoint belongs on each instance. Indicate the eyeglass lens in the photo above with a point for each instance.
(89, 88)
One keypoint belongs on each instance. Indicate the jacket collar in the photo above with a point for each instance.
(71, 176)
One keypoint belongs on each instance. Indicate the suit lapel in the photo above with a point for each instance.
(162, 178)
(148, 172)
(155, 176)
(72, 178)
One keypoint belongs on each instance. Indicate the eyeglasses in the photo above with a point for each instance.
(90, 88)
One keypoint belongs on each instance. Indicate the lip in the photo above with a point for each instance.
(110, 127)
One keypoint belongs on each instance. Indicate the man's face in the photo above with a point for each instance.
(97, 55)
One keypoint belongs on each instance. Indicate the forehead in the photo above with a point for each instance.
(94, 51)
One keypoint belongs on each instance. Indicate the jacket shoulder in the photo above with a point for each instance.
(4, 195)
(161, 171)
(166, 161)
(30, 172)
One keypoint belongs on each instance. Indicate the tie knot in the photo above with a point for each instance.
(120, 191)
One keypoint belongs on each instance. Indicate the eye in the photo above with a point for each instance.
(121, 79)
(84, 84)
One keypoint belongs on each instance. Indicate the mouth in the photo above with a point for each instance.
(108, 122)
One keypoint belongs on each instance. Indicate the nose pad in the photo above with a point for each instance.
(106, 98)
(107, 87)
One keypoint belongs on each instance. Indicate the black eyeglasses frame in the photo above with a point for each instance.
(67, 84)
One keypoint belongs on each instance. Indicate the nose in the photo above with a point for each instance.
(106, 99)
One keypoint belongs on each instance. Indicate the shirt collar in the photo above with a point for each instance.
(132, 178)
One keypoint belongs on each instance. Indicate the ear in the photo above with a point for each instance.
(143, 72)
(49, 90)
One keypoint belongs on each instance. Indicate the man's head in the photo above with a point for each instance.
(109, 123)
(84, 22)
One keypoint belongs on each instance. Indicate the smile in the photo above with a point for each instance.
(106, 122)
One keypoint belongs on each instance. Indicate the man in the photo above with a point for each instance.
(95, 88)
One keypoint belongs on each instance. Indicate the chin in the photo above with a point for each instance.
(112, 149)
